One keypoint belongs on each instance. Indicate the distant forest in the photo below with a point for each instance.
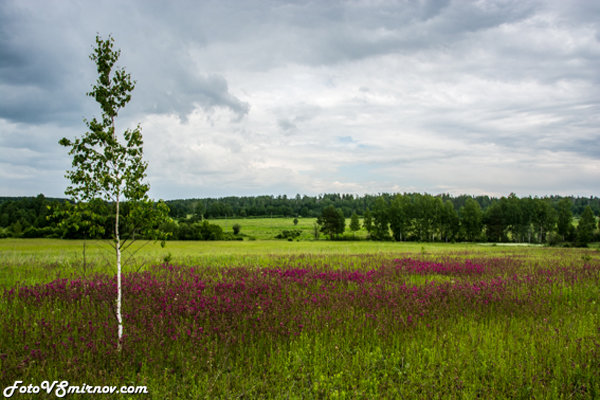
(408, 216)
(312, 206)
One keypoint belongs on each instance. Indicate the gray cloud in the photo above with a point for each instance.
(332, 32)
(267, 96)
(45, 71)
(37, 82)
(287, 126)
(186, 91)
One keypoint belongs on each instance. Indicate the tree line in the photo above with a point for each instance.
(426, 218)
(312, 206)
(42, 217)
(400, 217)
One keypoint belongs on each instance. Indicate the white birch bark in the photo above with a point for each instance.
(119, 291)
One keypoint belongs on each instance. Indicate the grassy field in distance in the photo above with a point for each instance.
(268, 228)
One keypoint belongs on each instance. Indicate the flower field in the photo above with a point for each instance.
(447, 325)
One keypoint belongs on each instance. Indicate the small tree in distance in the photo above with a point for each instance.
(565, 216)
(332, 221)
(368, 221)
(316, 231)
(471, 219)
(585, 229)
(110, 167)
(354, 222)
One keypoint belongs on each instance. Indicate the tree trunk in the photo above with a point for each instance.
(119, 296)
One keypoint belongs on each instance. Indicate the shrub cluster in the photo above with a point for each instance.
(290, 234)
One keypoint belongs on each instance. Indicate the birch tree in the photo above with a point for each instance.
(110, 166)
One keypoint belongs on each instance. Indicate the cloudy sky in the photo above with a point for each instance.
(282, 97)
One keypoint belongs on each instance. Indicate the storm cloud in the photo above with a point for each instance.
(285, 97)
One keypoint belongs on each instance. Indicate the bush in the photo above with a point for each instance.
(231, 236)
(210, 231)
(199, 231)
(346, 237)
(289, 234)
(236, 229)
(553, 239)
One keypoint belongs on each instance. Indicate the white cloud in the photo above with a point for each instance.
(312, 97)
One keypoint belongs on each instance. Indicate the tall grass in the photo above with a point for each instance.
(457, 323)
(30, 261)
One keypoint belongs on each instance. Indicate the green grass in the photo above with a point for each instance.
(269, 228)
(543, 343)
(30, 261)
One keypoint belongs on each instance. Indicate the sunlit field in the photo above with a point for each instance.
(40, 260)
(268, 228)
(278, 319)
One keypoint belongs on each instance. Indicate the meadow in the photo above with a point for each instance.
(331, 320)
(268, 228)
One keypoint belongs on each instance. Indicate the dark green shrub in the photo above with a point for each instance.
(553, 239)
(236, 229)
(289, 234)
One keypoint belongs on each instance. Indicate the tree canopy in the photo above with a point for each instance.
(332, 221)
(446, 218)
